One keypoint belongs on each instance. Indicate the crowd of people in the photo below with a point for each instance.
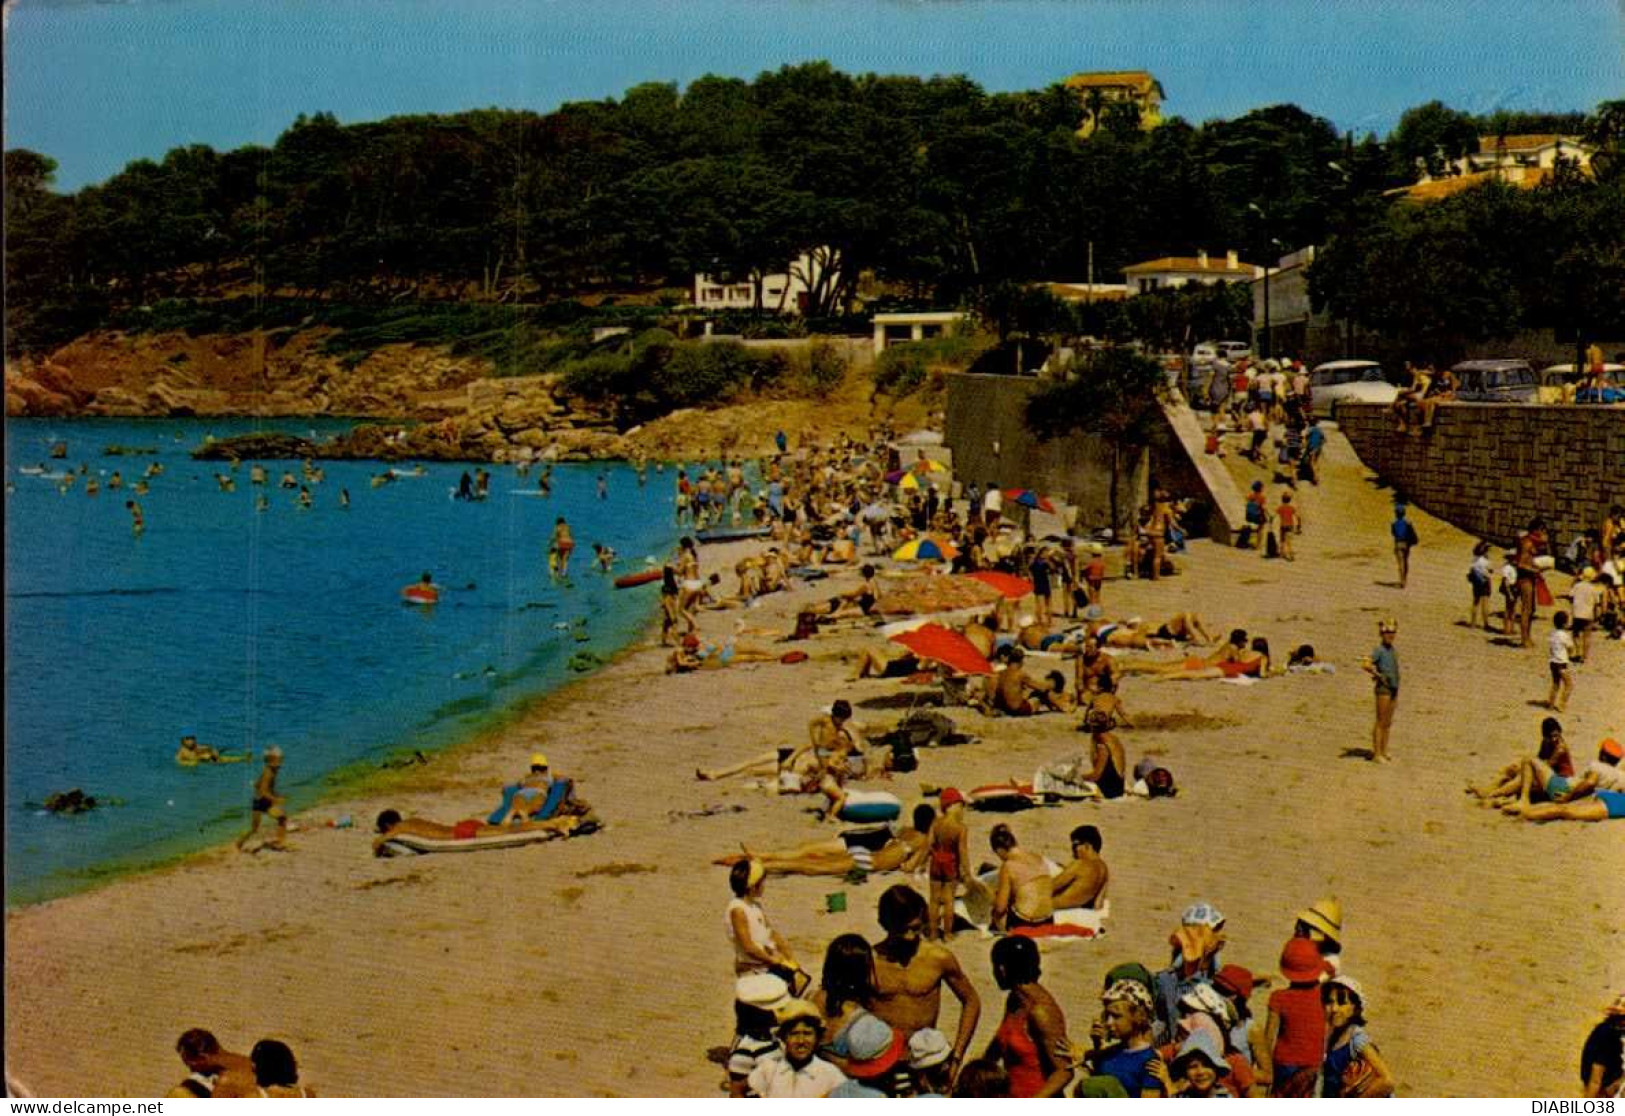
(870, 1023)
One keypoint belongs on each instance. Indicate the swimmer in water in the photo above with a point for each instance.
(344, 498)
(603, 487)
(261, 503)
(138, 523)
(304, 498)
(603, 557)
(544, 483)
(559, 550)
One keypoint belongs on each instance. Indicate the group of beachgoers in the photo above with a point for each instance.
(269, 1070)
(869, 1024)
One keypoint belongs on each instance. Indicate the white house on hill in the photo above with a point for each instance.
(785, 292)
(1179, 271)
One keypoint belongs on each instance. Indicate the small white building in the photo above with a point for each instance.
(892, 329)
(783, 292)
(1180, 271)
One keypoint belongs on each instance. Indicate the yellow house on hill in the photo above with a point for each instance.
(1098, 91)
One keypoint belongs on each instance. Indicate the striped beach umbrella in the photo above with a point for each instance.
(926, 550)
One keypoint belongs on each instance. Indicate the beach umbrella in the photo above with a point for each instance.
(926, 549)
(896, 475)
(927, 465)
(945, 646)
(1027, 498)
(909, 481)
(1008, 585)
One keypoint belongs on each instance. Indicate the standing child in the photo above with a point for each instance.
(268, 803)
(1094, 573)
(949, 862)
(1509, 593)
(1478, 576)
(1294, 1043)
(757, 999)
(1353, 1068)
(1404, 533)
(1291, 523)
(1383, 666)
(1561, 645)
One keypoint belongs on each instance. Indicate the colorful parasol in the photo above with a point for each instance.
(945, 646)
(1027, 498)
(926, 549)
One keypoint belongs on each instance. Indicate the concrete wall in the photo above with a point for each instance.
(1489, 468)
(986, 429)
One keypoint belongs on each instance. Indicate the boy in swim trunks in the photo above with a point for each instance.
(948, 863)
(267, 802)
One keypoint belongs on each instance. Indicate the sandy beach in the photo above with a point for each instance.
(599, 965)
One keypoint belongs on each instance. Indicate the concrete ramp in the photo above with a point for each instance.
(1189, 441)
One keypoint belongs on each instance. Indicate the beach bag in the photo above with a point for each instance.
(1272, 546)
(1543, 595)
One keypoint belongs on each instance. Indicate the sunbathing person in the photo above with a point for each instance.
(875, 664)
(1007, 690)
(859, 601)
(874, 850)
(1083, 882)
(694, 655)
(1597, 795)
(1232, 651)
(831, 737)
(1254, 662)
(1185, 627)
(391, 825)
(1509, 782)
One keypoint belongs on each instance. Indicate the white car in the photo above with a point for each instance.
(1205, 353)
(1234, 350)
(1358, 381)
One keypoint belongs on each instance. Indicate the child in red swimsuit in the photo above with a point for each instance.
(949, 845)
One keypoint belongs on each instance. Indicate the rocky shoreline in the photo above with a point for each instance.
(411, 402)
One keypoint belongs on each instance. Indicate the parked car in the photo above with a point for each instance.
(1560, 383)
(1234, 350)
(1494, 381)
(1205, 353)
(1359, 381)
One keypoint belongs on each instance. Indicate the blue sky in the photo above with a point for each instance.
(96, 83)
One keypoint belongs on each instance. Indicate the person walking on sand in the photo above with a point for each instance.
(559, 550)
(267, 802)
(1383, 666)
(1290, 521)
(1561, 651)
(949, 863)
(1404, 534)
(1480, 576)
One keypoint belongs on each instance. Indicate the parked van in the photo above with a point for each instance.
(1495, 381)
(1560, 383)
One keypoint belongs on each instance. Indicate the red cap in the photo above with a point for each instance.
(951, 797)
(1235, 980)
(885, 1060)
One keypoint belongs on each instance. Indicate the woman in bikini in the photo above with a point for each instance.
(866, 849)
(1252, 663)
(1031, 1041)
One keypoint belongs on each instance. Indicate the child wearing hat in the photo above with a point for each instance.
(1196, 1069)
(1323, 925)
(1353, 1068)
(758, 997)
(1602, 1059)
(1294, 1043)
(930, 1059)
(1123, 1043)
(796, 1070)
(948, 862)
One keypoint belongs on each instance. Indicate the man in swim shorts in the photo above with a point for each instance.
(267, 803)
(391, 825)
(1597, 795)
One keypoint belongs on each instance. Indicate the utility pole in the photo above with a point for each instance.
(1089, 294)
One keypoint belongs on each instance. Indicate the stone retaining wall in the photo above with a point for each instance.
(986, 429)
(1488, 468)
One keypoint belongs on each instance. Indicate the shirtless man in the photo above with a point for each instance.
(1083, 882)
(390, 825)
(1007, 690)
(1092, 667)
(268, 803)
(910, 973)
(1024, 895)
(212, 1072)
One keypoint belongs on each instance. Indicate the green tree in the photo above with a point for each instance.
(1115, 395)
(1430, 137)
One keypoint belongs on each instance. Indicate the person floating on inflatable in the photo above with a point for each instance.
(424, 592)
(191, 753)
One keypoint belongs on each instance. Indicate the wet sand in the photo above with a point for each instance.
(599, 965)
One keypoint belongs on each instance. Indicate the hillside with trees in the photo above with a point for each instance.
(930, 191)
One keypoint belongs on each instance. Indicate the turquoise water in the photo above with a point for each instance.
(278, 627)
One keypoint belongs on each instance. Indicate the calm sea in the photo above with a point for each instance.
(284, 626)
